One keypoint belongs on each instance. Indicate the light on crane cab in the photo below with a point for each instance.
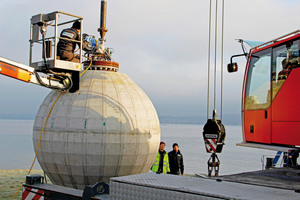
(232, 67)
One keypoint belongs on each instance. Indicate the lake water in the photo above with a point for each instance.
(16, 148)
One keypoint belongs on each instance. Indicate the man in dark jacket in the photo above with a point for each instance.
(66, 48)
(176, 161)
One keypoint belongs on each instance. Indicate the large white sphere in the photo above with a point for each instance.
(106, 129)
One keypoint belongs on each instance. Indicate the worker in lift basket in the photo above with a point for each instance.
(65, 48)
(161, 163)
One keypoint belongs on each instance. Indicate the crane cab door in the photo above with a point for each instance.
(257, 98)
(271, 98)
(285, 94)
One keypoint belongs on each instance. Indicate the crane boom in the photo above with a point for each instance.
(25, 73)
(15, 70)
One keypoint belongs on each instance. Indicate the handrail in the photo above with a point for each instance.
(78, 41)
(276, 39)
(69, 14)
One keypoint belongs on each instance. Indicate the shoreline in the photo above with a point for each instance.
(11, 180)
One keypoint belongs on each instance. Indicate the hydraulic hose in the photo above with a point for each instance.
(60, 76)
(54, 87)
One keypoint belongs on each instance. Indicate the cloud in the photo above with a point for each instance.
(162, 45)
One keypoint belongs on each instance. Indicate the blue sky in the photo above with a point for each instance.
(161, 44)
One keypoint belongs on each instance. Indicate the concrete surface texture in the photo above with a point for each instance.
(108, 128)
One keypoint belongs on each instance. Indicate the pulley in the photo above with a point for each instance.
(214, 131)
(214, 135)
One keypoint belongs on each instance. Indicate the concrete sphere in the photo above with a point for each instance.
(106, 129)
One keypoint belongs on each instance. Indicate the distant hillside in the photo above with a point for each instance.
(17, 116)
(232, 119)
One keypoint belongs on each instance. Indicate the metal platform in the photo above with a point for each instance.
(283, 178)
(269, 147)
(58, 64)
(62, 193)
(153, 186)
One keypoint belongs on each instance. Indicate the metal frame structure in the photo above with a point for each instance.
(52, 20)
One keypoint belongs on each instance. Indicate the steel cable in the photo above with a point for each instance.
(209, 41)
(215, 71)
(222, 52)
(215, 57)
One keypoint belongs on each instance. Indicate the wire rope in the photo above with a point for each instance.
(215, 56)
(215, 71)
(208, 74)
(222, 55)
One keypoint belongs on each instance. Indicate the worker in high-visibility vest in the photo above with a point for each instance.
(161, 163)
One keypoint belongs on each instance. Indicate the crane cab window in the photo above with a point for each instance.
(258, 81)
(285, 59)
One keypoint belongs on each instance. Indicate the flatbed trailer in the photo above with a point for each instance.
(275, 184)
(152, 186)
(36, 189)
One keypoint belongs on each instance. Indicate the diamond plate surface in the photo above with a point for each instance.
(155, 186)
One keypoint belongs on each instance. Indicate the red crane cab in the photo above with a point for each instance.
(271, 93)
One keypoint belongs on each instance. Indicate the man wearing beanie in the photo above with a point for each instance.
(176, 161)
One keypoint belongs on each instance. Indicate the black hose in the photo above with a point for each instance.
(44, 48)
(60, 76)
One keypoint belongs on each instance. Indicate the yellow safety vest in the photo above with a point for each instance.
(166, 167)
